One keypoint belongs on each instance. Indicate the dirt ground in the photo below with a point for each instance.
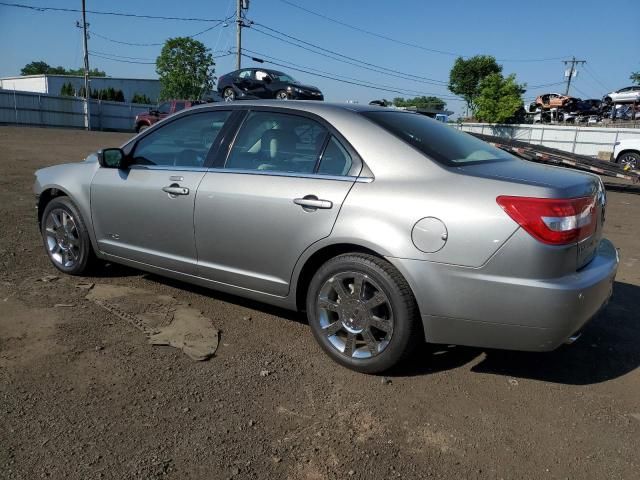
(83, 395)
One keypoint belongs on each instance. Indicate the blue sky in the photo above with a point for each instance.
(510, 30)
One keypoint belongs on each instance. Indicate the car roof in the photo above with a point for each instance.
(311, 106)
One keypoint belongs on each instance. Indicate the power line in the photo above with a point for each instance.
(93, 32)
(94, 52)
(222, 22)
(592, 75)
(338, 76)
(392, 90)
(407, 44)
(380, 70)
(117, 14)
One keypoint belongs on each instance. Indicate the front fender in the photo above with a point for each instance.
(74, 181)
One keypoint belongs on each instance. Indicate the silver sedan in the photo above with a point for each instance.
(386, 227)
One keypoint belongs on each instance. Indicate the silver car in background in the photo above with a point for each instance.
(387, 227)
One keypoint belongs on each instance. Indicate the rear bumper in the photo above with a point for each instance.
(466, 306)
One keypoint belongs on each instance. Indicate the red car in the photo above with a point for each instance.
(145, 120)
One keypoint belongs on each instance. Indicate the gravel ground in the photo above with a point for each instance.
(83, 395)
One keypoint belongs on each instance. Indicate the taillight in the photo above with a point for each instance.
(555, 221)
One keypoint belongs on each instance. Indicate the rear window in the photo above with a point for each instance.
(436, 140)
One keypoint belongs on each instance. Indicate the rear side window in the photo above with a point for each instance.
(436, 140)
(277, 142)
(179, 106)
(335, 159)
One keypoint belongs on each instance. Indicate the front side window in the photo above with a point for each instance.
(185, 142)
(436, 140)
(277, 142)
(164, 108)
(179, 106)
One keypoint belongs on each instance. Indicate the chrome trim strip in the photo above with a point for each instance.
(317, 176)
(169, 167)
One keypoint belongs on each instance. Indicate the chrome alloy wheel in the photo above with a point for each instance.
(62, 237)
(229, 95)
(355, 315)
(629, 161)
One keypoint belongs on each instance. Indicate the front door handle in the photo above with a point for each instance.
(175, 189)
(311, 202)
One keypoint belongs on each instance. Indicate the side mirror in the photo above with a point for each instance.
(112, 158)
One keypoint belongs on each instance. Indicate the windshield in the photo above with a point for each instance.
(438, 141)
(283, 77)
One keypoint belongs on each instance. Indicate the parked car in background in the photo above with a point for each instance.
(350, 212)
(260, 83)
(627, 153)
(624, 95)
(164, 109)
(555, 100)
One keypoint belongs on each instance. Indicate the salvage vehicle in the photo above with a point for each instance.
(145, 120)
(624, 95)
(627, 153)
(555, 100)
(352, 213)
(260, 83)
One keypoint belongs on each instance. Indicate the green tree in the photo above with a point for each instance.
(67, 90)
(466, 75)
(434, 103)
(635, 77)
(499, 98)
(41, 68)
(185, 67)
(141, 98)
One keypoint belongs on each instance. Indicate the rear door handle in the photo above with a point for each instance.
(312, 202)
(176, 190)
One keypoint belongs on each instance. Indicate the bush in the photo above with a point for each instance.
(142, 98)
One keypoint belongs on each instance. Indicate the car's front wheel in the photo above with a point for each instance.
(362, 312)
(228, 94)
(282, 95)
(65, 236)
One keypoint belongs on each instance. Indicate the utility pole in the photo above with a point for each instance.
(572, 71)
(87, 106)
(242, 5)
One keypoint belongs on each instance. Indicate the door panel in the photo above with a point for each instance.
(145, 213)
(250, 233)
(135, 219)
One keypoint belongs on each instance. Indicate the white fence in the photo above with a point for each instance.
(25, 108)
(580, 140)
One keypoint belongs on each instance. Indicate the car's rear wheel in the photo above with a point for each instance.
(65, 237)
(228, 94)
(629, 160)
(362, 312)
(282, 95)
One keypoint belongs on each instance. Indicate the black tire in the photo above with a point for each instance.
(142, 128)
(630, 160)
(406, 328)
(282, 95)
(228, 94)
(84, 257)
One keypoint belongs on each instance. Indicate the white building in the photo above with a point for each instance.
(52, 84)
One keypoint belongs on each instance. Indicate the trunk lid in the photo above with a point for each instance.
(554, 182)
